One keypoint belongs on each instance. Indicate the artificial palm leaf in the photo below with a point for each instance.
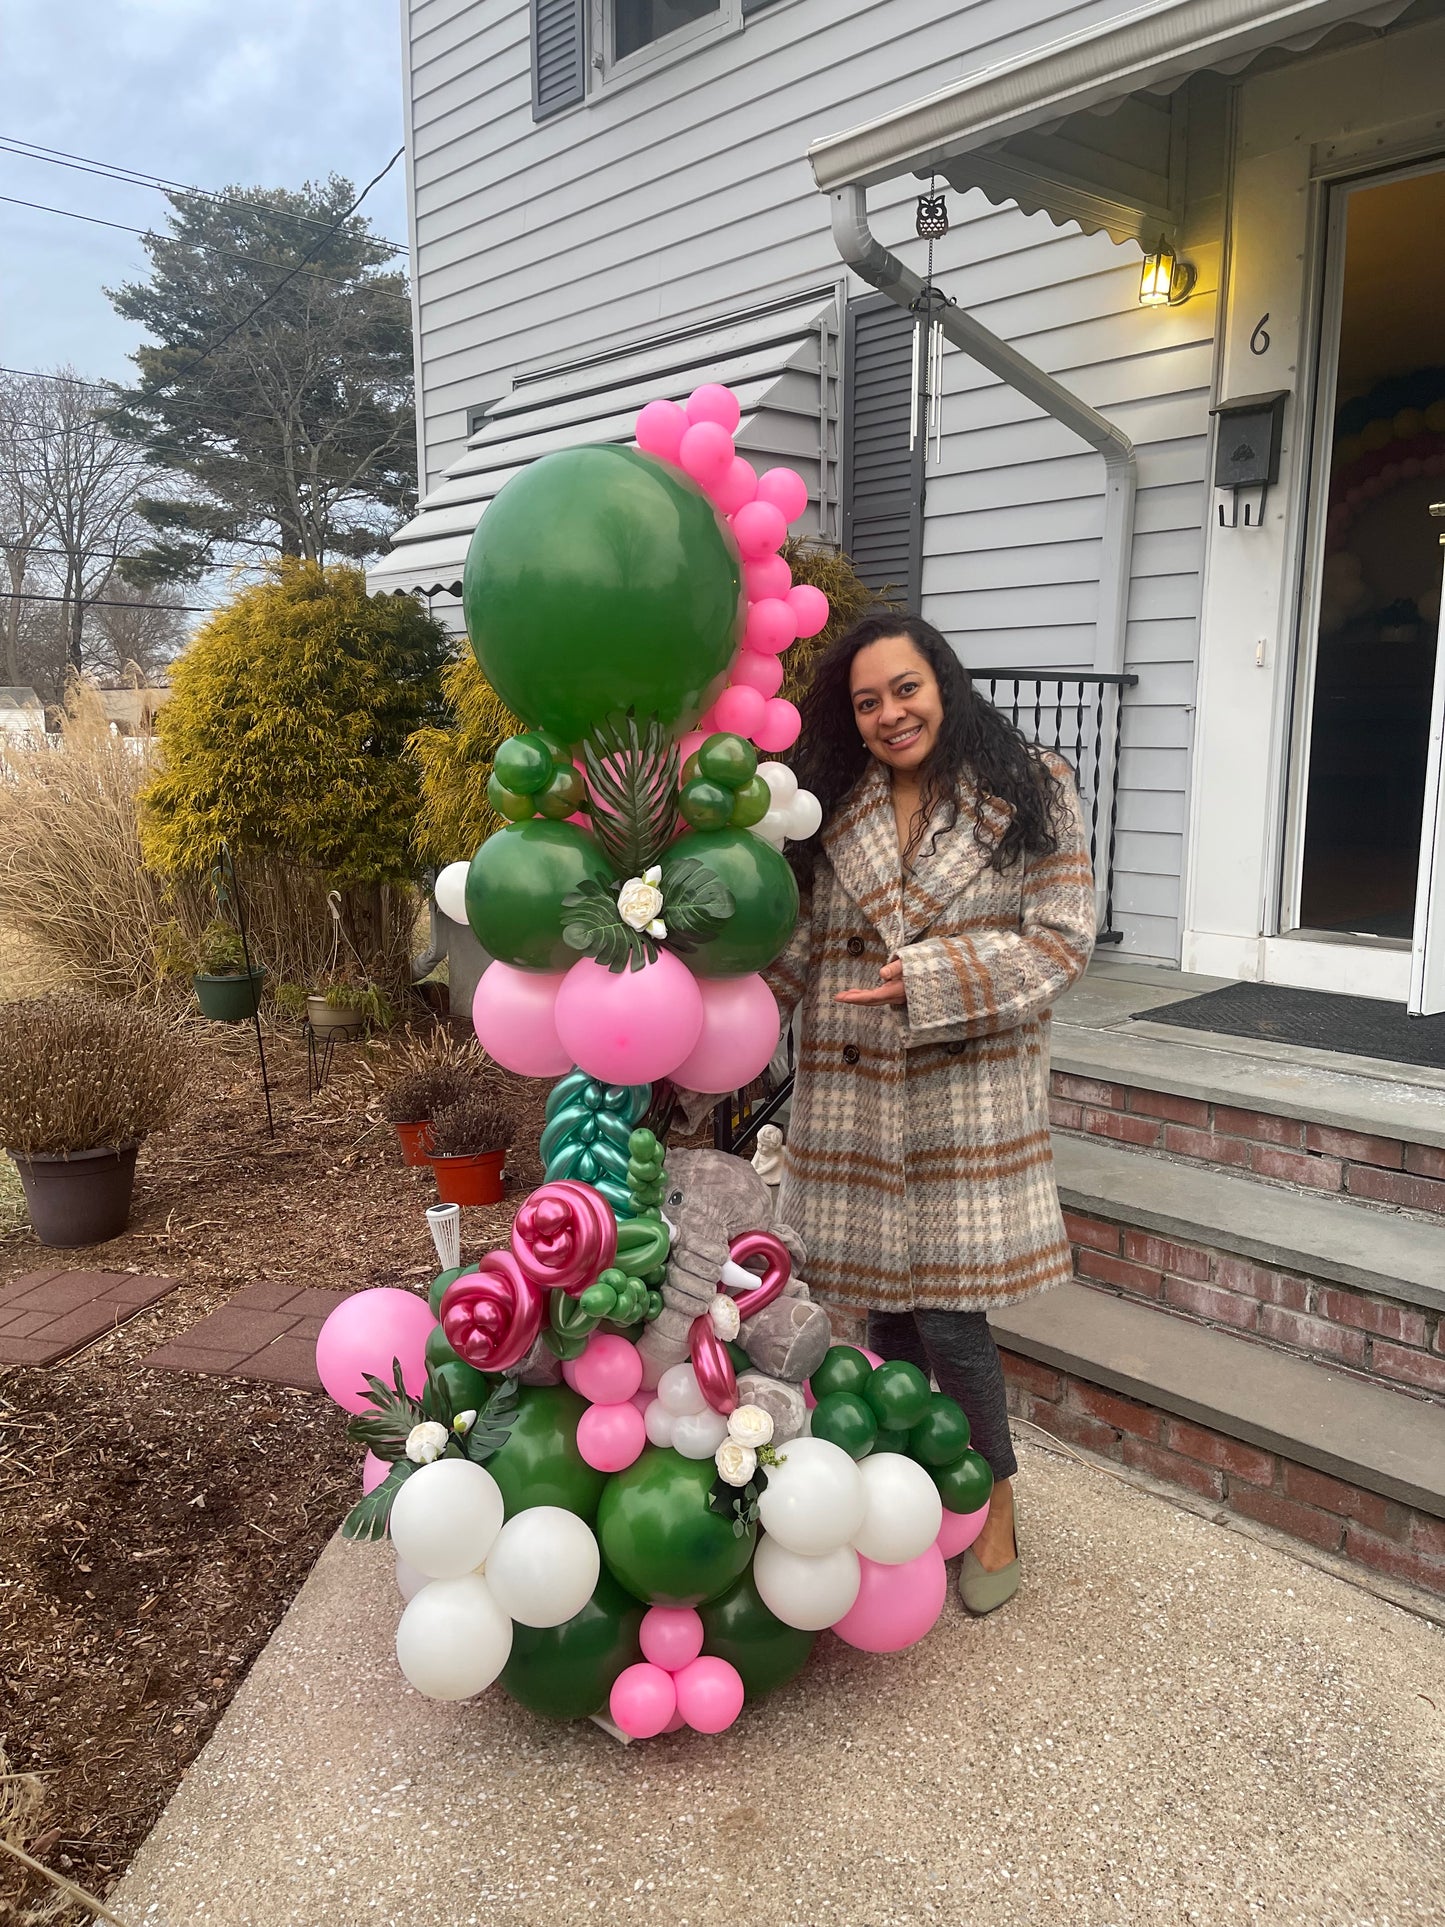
(594, 927)
(368, 1518)
(386, 1430)
(632, 771)
(493, 1424)
(695, 902)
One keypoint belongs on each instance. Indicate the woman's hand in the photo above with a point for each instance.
(890, 991)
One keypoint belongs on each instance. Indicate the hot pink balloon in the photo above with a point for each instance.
(514, 1016)
(896, 1605)
(375, 1470)
(959, 1530)
(707, 723)
(809, 607)
(771, 626)
(709, 1694)
(660, 428)
(737, 487)
(739, 710)
(629, 1026)
(611, 1437)
(671, 1636)
(763, 673)
(364, 1335)
(688, 745)
(740, 1029)
(643, 1700)
(608, 1371)
(714, 403)
(760, 530)
(786, 490)
(706, 452)
(779, 727)
(769, 576)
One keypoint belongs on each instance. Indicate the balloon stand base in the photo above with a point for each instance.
(611, 1727)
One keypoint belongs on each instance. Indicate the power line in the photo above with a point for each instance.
(74, 381)
(160, 608)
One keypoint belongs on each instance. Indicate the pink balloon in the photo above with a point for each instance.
(660, 428)
(709, 1694)
(707, 724)
(737, 487)
(671, 1636)
(770, 576)
(609, 1370)
(643, 1700)
(364, 1335)
(629, 1026)
(610, 1437)
(779, 727)
(760, 529)
(375, 1470)
(738, 710)
(763, 673)
(896, 1605)
(714, 403)
(706, 452)
(688, 745)
(514, 1016)
(786, 490)
(771, 626)
(643, 1399)
(959, 1530)
(675, 1724)
(809, 607)
(740, 1030)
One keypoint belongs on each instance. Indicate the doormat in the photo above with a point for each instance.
(1361, 1026)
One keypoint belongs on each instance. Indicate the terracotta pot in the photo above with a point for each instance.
(415, 1141)
(82, 1199)
(325, 1018)
(475, 1178)
(230, 997)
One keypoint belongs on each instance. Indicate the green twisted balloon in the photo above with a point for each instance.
(587, 1134)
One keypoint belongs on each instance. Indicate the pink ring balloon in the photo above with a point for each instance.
(565, 1235)
(712, 1366)
(779, 1269)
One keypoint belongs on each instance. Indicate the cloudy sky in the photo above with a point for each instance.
(211, 93)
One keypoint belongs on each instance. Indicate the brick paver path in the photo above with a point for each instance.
(267, 1331)
(47, 1314)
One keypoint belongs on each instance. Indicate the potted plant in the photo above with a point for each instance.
(226, 989)
(344, 1000)
(411, 1102)
(469, 1140)
(81, 1084)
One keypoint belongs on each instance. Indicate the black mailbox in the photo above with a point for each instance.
(1246, 449)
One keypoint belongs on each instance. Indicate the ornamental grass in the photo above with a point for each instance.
(79, 1074)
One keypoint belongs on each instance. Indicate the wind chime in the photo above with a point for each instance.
(926, 409)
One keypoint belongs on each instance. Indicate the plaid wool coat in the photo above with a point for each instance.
(918, 1167)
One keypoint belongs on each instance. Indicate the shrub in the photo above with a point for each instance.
(416, 1096)
(849, 597)
(77, 1074)
(474, 1123)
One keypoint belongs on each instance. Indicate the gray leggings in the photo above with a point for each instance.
(956, 1348)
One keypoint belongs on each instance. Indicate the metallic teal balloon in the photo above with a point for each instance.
(658, 1537)
(540, 1463)
(515, 886)
(601, 579)
(765, 901)
(566, 1672)
(739, 1628)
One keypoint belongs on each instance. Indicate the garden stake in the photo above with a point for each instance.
(227, 867)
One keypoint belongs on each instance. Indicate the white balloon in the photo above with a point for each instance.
(815, 1498)
(803, 817)
(771, 830)
(781, 782)
(544, 1566)
(903, 1513)
(453, 1638)
(807, 1593)
(450, 891)
(659, 1422)
(446, 1517)
(697, 1435)
(680, 1392)
(409, 1581)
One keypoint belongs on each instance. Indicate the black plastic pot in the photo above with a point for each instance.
(82, 1199)
(229, 999)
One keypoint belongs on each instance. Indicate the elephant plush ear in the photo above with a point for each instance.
(798, 1252)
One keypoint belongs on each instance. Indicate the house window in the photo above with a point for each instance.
(638, 23)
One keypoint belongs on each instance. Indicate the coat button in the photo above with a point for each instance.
(850, 1053)
(856, 946)
(954, 1049)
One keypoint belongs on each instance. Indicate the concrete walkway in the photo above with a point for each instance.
(1170, 1724)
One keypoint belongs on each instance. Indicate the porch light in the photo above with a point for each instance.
(1166, 280)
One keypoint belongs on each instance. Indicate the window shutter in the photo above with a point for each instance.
(882, 475)
(559, 70)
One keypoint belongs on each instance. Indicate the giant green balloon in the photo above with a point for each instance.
(765, 901)
(540, 1463)
(598, 580)
(658, 1537)
(566, 1672)
(739, 1628)
(515, 886)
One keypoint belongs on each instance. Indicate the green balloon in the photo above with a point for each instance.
(941, 1435)
(509, 803)
(469, 1388)
(751, 803)
(898, 1393)
(846, 1420)
(729, 760)
(566, 1672)
(965, 1485)
(600, 579)
(739, 1628)
(765, 901)
(705, 806)
(844, 1369)
(540, 1463)
(659, 1538)
(564, 795)
(523, 764)
(890, 1440)
(515, 886)
(741, 1362)
(438, 1288)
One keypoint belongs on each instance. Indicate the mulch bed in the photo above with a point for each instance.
(155, 1525)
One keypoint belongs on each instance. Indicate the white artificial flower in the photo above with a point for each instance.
(657, 928)
(639, 901)
(725, 1318)
(736, 1463)
(463, 1423)
(751, 1426)
(426, 1442)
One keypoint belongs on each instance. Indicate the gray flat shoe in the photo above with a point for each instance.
(983, 1591)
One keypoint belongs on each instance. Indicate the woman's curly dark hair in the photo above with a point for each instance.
(976, 742)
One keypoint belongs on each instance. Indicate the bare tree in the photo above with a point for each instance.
(22, 501)
(132, 632)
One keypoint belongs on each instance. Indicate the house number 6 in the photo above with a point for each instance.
(1259, 340)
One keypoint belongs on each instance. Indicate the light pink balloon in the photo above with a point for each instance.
(671, 1636)
(706, 452)
(959, 1530)
(786, 490)
(809, 607)
(770, 576)
(740, 1030)
(629, 1026)
(514, 1016)
(608, 1371)
(660, 428)
(643, 1700)
(709, 1694)
(759, 528)
(364, 1335)
(610, 1437)
(739, 710)
(643, 1399)
(375, 1470)
(896, 1605)
(707, 723)
(688, 745)
(763, 673)
(737, 487)
(779, 727)
(714, 403)
(771, 626)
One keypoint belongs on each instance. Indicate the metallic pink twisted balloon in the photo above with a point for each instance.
(491, 1315)
(565, 1236)
(762, 1244)
(712, 1366)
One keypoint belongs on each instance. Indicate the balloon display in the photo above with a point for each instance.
(515, 887)
(658, 1537)
(765, 901)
